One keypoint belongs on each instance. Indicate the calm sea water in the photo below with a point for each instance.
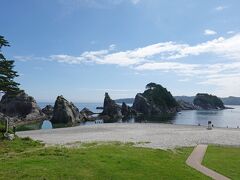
(220, 118)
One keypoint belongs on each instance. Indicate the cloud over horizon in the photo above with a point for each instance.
(171, 57)
(209, 32)
(220, 8)
(221, 47)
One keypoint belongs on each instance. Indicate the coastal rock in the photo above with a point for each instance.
(186, 106)
(208, 102)
(155, 100)
(65, 112)
(87, 115)
(48, 110)
(12, 120)
(86, 111)
(142, 105)
(21, 107)
(126, 110)
(110, 108)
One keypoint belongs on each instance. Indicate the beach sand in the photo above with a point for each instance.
(162, 136)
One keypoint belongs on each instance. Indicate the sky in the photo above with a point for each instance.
(83, 48)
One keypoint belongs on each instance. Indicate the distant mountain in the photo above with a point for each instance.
(227, 100)
(126, 100)
(231, 100)
(188, 99)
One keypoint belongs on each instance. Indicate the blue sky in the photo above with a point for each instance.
(82, 48)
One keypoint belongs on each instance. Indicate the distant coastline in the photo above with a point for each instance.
(231, 100)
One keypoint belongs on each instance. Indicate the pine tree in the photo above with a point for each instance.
(7, 75)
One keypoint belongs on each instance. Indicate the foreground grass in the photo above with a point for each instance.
(19, 145)
(97, 161)
(225, 160)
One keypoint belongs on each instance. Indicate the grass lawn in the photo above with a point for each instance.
(225, 160)
(92, 161)
(7, 148)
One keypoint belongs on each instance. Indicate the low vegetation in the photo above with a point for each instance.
(225, 160)
(92, 161)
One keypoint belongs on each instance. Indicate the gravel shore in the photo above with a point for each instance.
(163, 136)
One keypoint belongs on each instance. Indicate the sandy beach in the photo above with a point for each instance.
(162, 136)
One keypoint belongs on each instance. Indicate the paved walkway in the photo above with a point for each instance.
(195, 161)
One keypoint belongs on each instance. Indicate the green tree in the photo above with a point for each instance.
(151, 85)
(7, 75)
(160, 96)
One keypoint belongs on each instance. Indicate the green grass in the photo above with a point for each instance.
(97, 161)
(225, 160)
(18, 145)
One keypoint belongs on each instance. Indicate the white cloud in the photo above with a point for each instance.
(231, 32)
(227, 48)
(166, 56)
(23, 58)
(225, 77)
(112, 47)
(209, 70)
(30, 58)
(226, 84)
(209, 32)
(220, 8)
(168, 66)
(222, 47)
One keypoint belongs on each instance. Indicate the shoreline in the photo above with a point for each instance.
(160, 136)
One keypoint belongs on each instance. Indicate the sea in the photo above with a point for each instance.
(228, 118)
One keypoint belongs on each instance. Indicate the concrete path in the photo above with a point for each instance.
(195, 161)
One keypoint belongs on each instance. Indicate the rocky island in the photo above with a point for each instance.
(65, 112)
(48, 110)
(21, 108)
(110, 108)
(207, 102)
(155, 100)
